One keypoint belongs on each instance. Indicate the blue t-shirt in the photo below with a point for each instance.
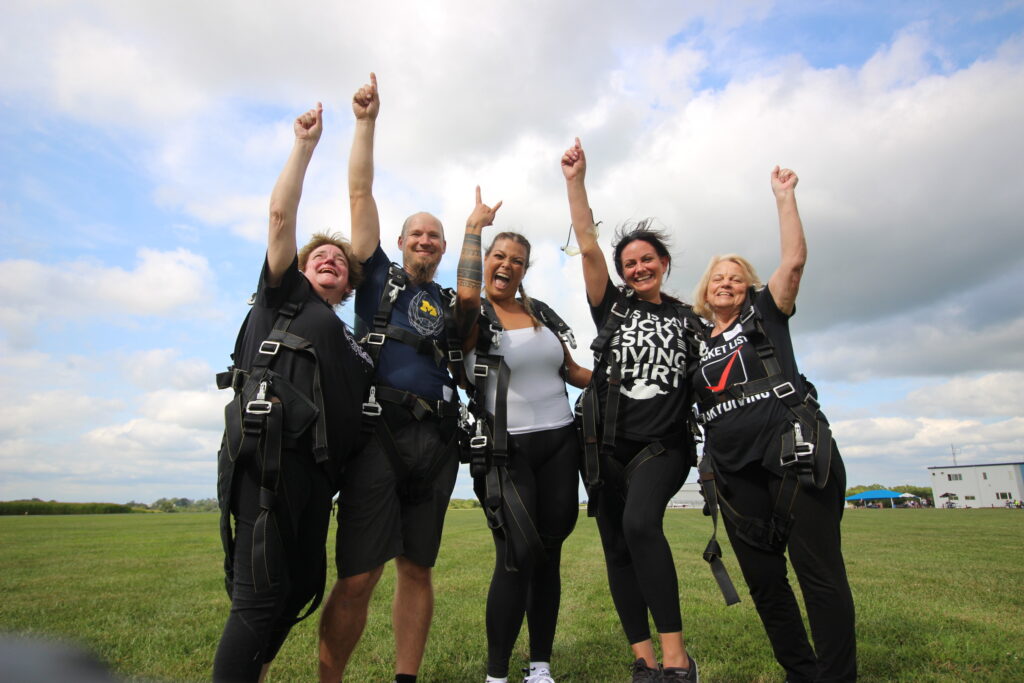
(418, 308)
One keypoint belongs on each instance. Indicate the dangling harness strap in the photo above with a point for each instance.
(713, 551)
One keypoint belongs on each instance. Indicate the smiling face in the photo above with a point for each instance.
(727, 289)
(422, 244)
(504, 267)
(327, 270)
(643, 270)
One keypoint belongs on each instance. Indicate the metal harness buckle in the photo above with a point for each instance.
(376, 338)
(783, 390)
(270, 348)
(371, 408)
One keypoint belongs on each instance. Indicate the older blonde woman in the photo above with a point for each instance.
(779, 477)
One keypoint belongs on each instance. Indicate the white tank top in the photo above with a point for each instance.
(536, 392)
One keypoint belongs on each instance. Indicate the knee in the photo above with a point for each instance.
(640, 530)
(408, 572)
(355, 589)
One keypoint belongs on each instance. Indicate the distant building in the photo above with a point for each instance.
(687, 497)
(977, 486)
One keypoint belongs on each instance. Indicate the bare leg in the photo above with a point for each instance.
(673, 650)
(645, 650)
(342, 621)
(411, 613)
(263, 672)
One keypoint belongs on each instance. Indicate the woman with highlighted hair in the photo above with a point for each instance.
(524, 452)
(770, 457)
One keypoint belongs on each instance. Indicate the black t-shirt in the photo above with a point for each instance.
(650, 348)
(345, 369)
(740, 432)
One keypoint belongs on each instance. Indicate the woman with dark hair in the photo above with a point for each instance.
(525, 456)
(642, 401)
(776, 469)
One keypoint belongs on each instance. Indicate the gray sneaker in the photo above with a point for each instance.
(641, 672)
(687, 675)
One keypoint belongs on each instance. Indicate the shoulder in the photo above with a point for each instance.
(291, 282)
(764, 303)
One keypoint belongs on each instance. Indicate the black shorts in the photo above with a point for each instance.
(375, 521)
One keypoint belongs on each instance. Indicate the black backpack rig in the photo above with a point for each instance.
(805, 452)
(375, 423)
(266, 412)
(489, 443)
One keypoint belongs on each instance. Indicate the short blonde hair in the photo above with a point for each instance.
(700, 292)
(319, 239)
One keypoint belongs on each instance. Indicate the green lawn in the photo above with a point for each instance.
(940, 596)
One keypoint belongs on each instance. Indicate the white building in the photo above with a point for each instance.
(687, 497)
(978, 486)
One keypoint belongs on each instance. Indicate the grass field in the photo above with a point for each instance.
(940, 596)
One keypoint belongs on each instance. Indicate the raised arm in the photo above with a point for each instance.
(470, 272)
(365, 219)
(284, 200)
(784, 283)
(595, 269)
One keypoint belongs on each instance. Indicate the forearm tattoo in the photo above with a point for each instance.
(470, 272)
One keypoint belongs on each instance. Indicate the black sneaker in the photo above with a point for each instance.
(687, 675)
(642, 672)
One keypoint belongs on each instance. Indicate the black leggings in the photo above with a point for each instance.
(816, 554)
(259, 622)
(545, 470)
(641, 572)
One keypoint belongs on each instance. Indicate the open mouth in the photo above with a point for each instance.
(501, 280)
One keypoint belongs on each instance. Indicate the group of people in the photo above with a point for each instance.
(373, 415)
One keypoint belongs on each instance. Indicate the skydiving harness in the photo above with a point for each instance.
(489, 443)
(416, 407)
(267, 413)
(805, 451)
(602, 449)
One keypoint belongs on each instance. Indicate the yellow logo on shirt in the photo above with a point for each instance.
(427, 308)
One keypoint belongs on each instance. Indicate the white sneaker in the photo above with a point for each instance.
(538, 676)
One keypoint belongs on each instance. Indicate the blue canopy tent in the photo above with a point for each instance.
(876, 494)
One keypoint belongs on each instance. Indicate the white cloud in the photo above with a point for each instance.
(997, 394)
(161, 282)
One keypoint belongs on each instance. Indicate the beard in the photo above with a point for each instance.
(421, 272)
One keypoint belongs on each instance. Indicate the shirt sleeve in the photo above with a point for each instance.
(273, 297)
(600, 312)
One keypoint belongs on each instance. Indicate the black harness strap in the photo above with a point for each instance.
(713, 551)
(809, 457)
(503, 504)
(410, 489)
(264, 409)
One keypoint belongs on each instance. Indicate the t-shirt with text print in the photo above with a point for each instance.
(739, 432)
(651, 350)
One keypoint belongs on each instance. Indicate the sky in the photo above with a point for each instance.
(141, 140)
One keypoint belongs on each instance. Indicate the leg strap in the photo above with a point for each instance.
(713, 551)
